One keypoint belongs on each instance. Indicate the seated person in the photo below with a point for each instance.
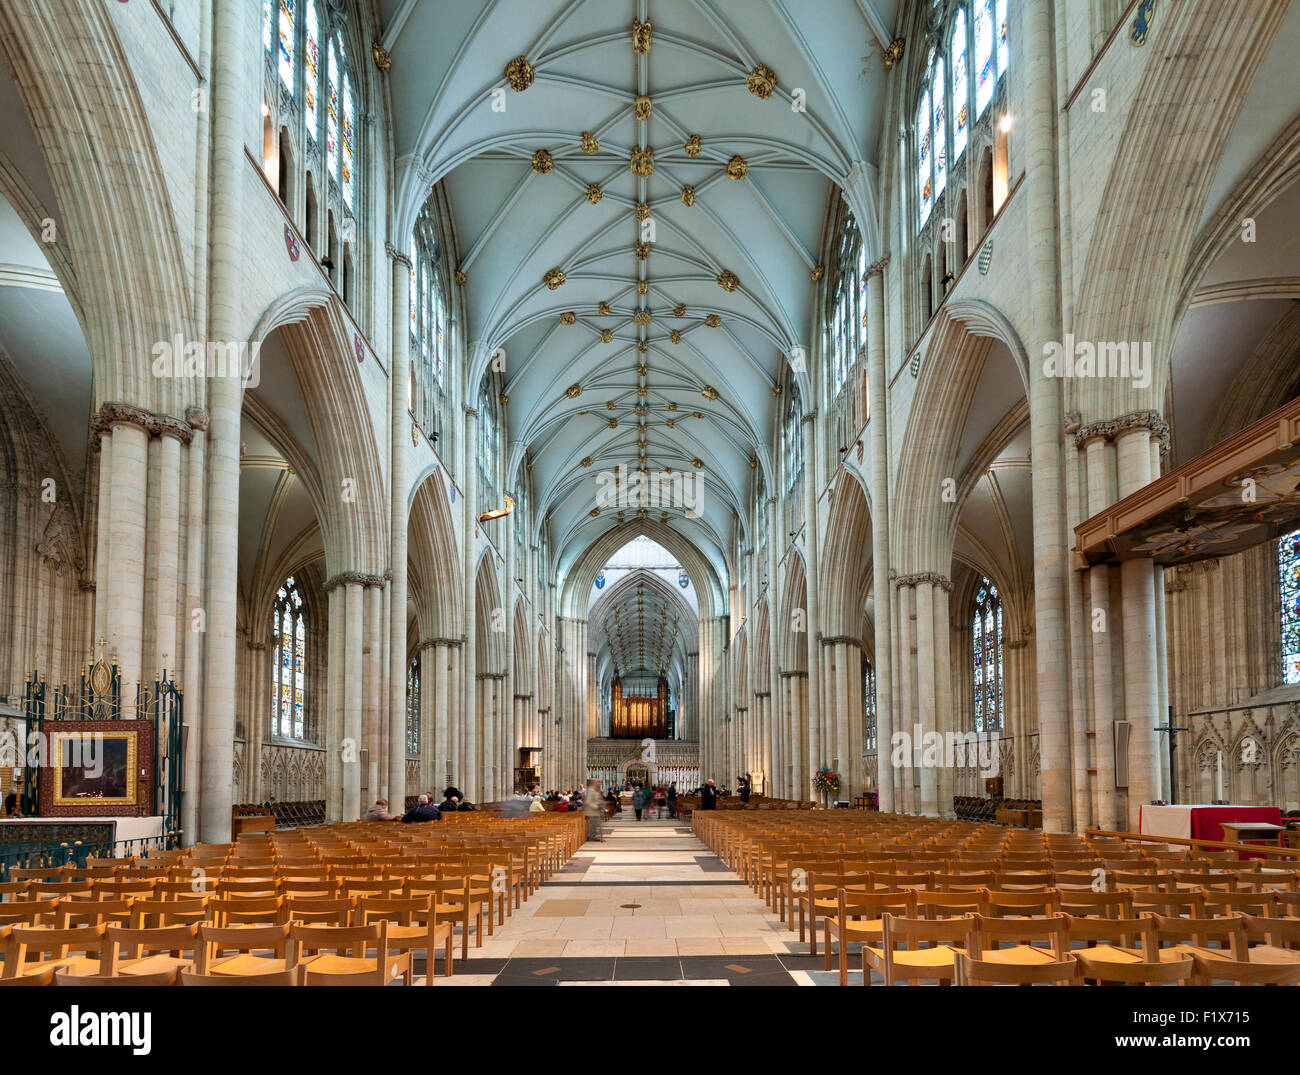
(450, 804)
(379, 812)
(424, 810)
(536, 807)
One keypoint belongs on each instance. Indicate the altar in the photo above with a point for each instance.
(1200, 821)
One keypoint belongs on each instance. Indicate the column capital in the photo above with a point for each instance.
(1113, 427)
(397, 255)
(876, 268)
(925, 576)
(353, 578)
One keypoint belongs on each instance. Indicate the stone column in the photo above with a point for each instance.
(353, 666)
(1137, 581)
(469, 740)
(927, 716)
(943, 700)
(166, 575)
(233, 100)
(124, 529)
(905, 798)
(193, 666)
(372, 732)
(334, 703)
(398, 521)
(1051, 643)
(1101, 623)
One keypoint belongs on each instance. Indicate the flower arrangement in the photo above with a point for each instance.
(827, 779)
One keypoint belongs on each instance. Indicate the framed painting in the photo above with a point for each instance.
(97, 769)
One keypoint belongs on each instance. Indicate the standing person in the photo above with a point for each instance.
(709, 795)
(659, 799)
(638, 800)
(744, 789)
(672, 800)
(593, 805)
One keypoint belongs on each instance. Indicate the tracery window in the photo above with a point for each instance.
(869, 705)
(986, 657)
(305, 43)
(429, 327)
(1288, 569)
(413, 707)
(288, 672)
(791, 436)
(848, 317)
(955, 93)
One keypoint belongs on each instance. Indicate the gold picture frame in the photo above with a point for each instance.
(110, 780)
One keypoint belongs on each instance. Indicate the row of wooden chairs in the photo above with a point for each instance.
(292, 953)
(1063, 949)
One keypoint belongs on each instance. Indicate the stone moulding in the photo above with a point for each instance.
(924, 576)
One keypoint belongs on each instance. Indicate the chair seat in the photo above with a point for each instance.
(942, 955)
(417, 933)
(246, 963)
(1194, 950)
(1107, 953)
(78, 965)
(869, 927)
(1021, 955)
(154, 965)
(1272, 953)
(330, 963)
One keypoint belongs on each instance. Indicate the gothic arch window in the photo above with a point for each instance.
(1288, 569)
(289, 668)
(791, 436)
(986, 657)
(869, 705)
(955, 92)
(306, 43)
(489, 444)
(429, 326)
(413, 708)
(848, 312)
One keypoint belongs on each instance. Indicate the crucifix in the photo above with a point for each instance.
(1173, 740)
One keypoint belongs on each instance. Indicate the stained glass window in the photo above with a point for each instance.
(1288, 567)
(347, 139)
(287, 34)
(986, 657)
(869, 704)
(937, 84)
(1002, 37)
(332, 114)
(923, 156)
(960, 91)
(288, 675)
(792, 437)
(268, 25)
(413, 707)
(311, 72)
(984, 80)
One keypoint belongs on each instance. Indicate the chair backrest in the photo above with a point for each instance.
(1256, 903)
(85, 912)
(401, 911)
(1279, 932)
(931, 905)
(1225, 934)
(1101, 904)
(1177, 903)
(124, 941)
(345, 940)
(313, 909)
(174, 912)
(214, 940)
(24, 940)
(28, 912)
(1005, 904)
(910, 933)
(1123, 932)
(989, 932)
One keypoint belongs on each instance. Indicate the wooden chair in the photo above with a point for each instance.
(1125, 950)
(1004, 904)
(14, 890)
(74, 912)
(28, 912)
(412, 925)
(934, 905)
(1206, 940)
(1262, 904)
(178, 912)
(971, 971)
(125, 949)
(945, 937)
(473, 893)
(273, 978)
(858, 919)
(247, 942)
(962, 880)
(340, 955)
(452, 901)
(151, 980)
(1186, 904)
(1020, 933)
(820, 899)
(1249, 973)
(78, 950)
(247, 911)
(1081, 902)
(1272, 940)
(311, 909)
(37, 977)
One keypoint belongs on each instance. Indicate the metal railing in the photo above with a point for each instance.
(75, 853)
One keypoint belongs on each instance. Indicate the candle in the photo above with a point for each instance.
(1218, 776)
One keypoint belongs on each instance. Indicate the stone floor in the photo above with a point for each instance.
(647, 905)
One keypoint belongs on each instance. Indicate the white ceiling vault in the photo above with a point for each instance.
(665, 356)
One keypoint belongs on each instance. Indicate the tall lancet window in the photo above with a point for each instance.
(288, 674)
(1288, 568)
(986, 657)
(413, 707)
(869, 705)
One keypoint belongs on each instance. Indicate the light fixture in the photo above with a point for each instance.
(1005, 125)
(496, 513)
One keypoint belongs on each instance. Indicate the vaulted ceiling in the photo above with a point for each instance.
(639, 216)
